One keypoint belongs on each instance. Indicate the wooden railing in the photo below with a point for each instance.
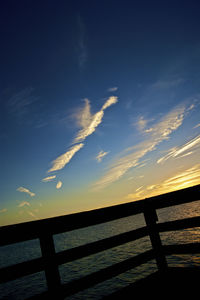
(50, 260)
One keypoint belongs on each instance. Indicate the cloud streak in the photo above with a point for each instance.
(24, 203)
(100, 155)
(158, 133)
(182, 179)
(198, 125)
(25, 190)
(19, 104)
(60, 162)
(90, 122)
(188, 177)
(113, 89)
(49, 178)
(181, 151)
(82, 48)
(167, 84)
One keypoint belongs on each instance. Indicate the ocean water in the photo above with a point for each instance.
(25, 287)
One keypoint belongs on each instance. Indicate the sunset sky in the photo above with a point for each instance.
(99, 103)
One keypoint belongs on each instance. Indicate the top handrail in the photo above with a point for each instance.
(34, 229)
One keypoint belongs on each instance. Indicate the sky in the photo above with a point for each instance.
(99, 103)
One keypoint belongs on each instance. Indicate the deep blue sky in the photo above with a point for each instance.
(142, 56)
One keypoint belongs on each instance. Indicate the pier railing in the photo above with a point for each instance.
(50, 259)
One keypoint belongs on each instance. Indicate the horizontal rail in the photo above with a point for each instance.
(50, 260)
(190, 248)
(32, 230)
(22, 269)
(179, 224)
(101, 275)
(121, 267)
(39, 264)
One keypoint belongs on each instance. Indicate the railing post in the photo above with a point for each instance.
(151, 217)
(51, 268)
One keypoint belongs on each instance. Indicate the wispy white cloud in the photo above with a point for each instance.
(189, 176)
(100, 155)
(166, 84)
(110, 101)
(159, 132)
(168, 124)
(88, 130)
(181, 151)
(82, 45)
(59, 185)
(60, 162)
(138, 189)
(135, 196)
(25, 190)
(19, 103)
(84, 116)
(90, 122)
(142, 124)
(32, 214)
(49, 178)
(181, 179)
(24, 203)
(198, 125)
(113, 89)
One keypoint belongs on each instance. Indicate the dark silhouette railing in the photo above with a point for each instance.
(50, 260)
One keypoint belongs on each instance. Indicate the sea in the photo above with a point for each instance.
(33, 284)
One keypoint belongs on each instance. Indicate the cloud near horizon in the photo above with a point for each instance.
(24, 203)
(156, 134)
(181, 151)
(25, 190)
(180, 180)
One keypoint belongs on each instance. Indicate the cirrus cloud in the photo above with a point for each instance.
(49, 178)
(113, 89)
(25, 190)
(60, 162)
(24, 203)
(156, 134)
(182, 150)
(90, 122)
(59, 185)
(182, 179)
(100, 155)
